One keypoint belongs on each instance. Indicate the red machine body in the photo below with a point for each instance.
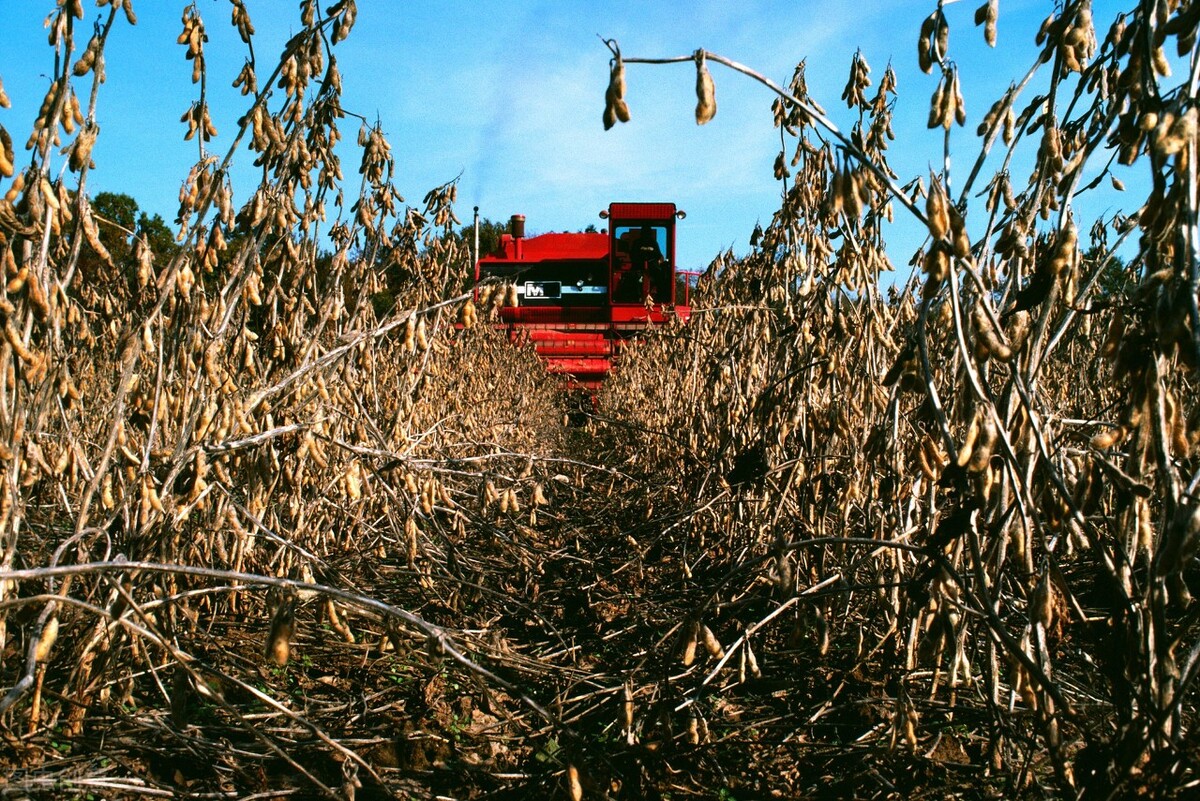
(580, 296)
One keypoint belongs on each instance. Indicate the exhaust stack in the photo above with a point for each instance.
(475, 251)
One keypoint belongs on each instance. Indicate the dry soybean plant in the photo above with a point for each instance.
(282, 512)
(968, 505)
(263, 445)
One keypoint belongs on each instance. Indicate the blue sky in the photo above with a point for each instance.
(510, 95)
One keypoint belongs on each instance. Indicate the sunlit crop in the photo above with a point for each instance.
(282, 511)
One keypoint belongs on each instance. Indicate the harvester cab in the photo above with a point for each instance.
(643, 253)
(578, 297)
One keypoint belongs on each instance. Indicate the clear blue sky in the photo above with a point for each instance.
(510, 95)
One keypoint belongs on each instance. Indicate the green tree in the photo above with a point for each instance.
(1117, 279)
(490, 232)
(120, 219)
(158, 235)
(117, 216)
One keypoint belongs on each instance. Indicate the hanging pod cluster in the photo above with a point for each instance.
(947, 230)
(986, 16)
(1077, 41)
(615, 108)
(859, 80)
(933, 42)
(947, 106)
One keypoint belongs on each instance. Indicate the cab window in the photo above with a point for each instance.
(641, 264)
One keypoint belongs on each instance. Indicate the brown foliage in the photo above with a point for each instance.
(271, 512)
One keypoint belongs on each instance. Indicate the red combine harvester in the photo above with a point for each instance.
(578, 297)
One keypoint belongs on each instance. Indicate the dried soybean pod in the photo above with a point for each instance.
(960, 106)
(615, 107)
(574, 786)
(279, 639)
(937, 104)
(706, 98)
(691, 638)
(961, 240)
(616, 78)
(1041, 604)
(409, 342)
(968, 446)
(610, 114)
(47, 639)
(711, 643)
(937, 208)
(467, 314)
(986, 16)
(420, 335)
(981, 456)
(925, 44)
(627, 709)
(987, 335)
(622, 109)
(1109, 438)
(7, 157)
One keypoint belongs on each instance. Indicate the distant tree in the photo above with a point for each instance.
(120, 219)
(117, 215)
(158, 235)
(1117, 279)
(490, 232)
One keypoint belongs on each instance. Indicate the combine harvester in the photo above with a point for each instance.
(578, 297)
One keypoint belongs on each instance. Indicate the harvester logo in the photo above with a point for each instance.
(542, 289)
